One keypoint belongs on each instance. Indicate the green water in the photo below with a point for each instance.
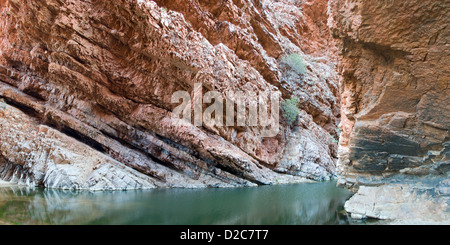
(308, 203)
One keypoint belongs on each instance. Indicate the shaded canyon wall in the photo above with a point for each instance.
(395, 93)
(395, 86)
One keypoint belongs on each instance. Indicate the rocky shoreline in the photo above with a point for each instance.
(403, 203)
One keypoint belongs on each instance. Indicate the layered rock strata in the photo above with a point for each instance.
(86, 88)
(395, 97)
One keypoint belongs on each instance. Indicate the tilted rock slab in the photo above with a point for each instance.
(102, 73)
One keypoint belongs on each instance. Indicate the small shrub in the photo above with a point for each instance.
(2, 103)
(295, 62)
(334, 140)
(290, 110)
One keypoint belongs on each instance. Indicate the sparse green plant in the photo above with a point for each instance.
(2, 103)
(334, 140)
(290, 110)
(295, 62)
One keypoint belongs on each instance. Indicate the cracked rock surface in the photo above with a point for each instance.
(99, 76)
(395, 95)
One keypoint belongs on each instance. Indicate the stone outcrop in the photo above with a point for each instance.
(87, 87)
(395, 97)
(412, 203)
(36, 154)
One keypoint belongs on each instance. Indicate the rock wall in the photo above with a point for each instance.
(395, 86)
(87, 85)
(395, 97)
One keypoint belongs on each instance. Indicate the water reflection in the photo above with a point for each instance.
(318, 203)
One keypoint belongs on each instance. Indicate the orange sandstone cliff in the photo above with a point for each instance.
(395, 93)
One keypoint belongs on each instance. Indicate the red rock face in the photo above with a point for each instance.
(395, 88)
(103, 73)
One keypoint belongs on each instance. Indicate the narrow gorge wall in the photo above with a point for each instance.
(395, 86)
(86, 91)
(395, 95)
